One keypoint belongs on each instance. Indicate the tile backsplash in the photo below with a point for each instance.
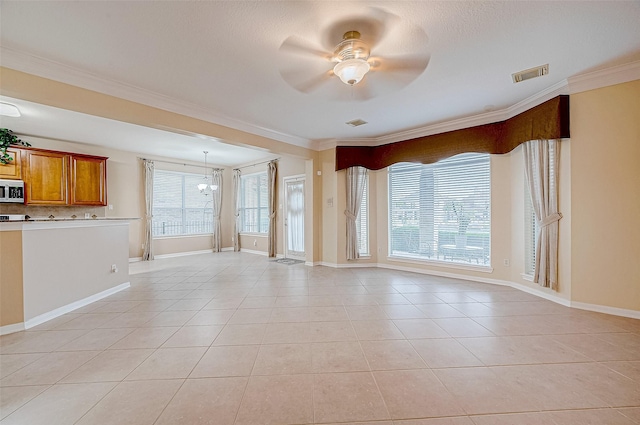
(46, 211)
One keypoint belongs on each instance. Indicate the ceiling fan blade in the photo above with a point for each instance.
(299, 80)
(407, 64)
(300, 47)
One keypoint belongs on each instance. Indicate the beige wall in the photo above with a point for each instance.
(605, 196)
(11, 295)
(62, 265)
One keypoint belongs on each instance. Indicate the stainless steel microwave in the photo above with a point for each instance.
(12, 191)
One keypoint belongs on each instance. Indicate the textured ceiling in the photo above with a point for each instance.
(225, 57)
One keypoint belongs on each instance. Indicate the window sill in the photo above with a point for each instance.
(199, 235)
(259, 235)
(446, 264)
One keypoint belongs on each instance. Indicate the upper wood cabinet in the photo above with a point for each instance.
(88, 180)
(64, 178)
(46, 177)
(12, 170)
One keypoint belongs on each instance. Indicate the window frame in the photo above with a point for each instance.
(242, 201)
(435, 256)
(183, 208)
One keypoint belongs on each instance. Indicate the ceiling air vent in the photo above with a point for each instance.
(528, 74)
(356, 123)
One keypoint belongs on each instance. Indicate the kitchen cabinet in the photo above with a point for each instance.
(64, 178)
(12, 170)
(46, 177)
(88, 180)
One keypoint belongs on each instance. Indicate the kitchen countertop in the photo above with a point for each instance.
(37, 223)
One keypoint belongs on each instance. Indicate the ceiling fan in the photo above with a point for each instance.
(307, 67)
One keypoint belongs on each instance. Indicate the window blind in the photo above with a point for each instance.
(178, 206)
(254, 203)
(362, 223)
(441, 211)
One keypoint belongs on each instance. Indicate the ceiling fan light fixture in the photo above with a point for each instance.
(351, 71)
(351, 54)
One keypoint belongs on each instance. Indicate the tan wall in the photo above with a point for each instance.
(605, 196)
(329, 212)
(63, 265)
(11, 295)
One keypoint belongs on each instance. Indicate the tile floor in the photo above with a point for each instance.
(236, 339)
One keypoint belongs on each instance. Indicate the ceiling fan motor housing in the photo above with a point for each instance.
(351, 47)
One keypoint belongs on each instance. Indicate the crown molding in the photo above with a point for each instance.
(576, 84)
(605, 77)
(56, 71)
(59, 72)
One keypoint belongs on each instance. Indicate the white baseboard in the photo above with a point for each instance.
(634, 314)
(251, 251)
(183, 254)
(228, 248)
(73, 306)
(615, 311)
(135, 259)
(9, 329)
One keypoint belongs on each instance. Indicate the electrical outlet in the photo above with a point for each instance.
(87, 215)
(255, 242)
(506, 262)
(114, 268)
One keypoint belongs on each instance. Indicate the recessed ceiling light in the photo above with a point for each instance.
(530, 73)
(9, 110)
(356, 123)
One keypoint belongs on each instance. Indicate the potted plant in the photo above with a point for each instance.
(7, 138)
(464, 219)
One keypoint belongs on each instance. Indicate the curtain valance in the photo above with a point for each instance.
(549, 120)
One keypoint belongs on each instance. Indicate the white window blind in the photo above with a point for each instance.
(254, 203)
(441, 211)
(362, 222)
(178, 206)
(530, 232)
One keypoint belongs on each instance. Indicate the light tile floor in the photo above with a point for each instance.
(234, 338)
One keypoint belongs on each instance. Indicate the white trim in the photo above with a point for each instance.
(605, 77)
(134, 259)
(228, 248)
(446, 264)
(9, 329)
(526, 277)
(254, 234)
(52, 70)
(539, 293)
(312, 263)
(251, 251)
(183, 254)
(615, 311)
(45, 317)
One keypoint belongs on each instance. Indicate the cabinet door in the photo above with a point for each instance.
(88, 180)
(12, 170)
(46, 177)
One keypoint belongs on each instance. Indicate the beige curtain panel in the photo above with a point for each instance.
(147, 254)
(272, 175)
(541, 168)
(236, 210)
(216, 181)
(355, 189)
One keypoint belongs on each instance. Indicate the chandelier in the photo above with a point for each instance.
(206, 187)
